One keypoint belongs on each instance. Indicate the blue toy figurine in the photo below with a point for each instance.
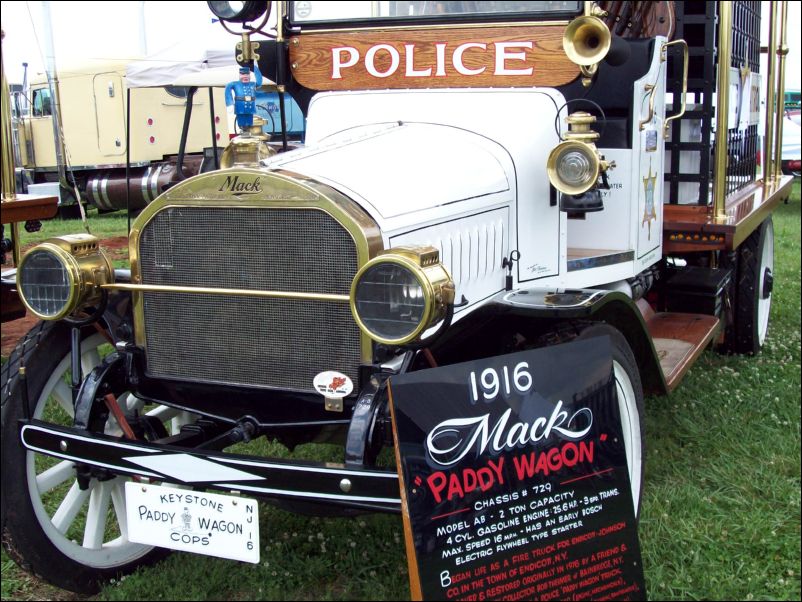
(242, 94)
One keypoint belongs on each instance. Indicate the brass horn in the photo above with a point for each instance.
(586, 40)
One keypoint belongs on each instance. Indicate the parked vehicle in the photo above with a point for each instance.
(268, 108)
(792, 146)
(90, 154)
(16, 209)
(455, 199)
(793, 100)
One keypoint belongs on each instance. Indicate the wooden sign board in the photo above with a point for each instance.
(523, 56)
(514, 478)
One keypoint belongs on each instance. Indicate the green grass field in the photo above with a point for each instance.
(102, 225)
(721, 508)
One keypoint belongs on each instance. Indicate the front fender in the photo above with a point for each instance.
(539, 311)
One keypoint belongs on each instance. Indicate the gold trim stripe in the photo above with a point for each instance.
(161, 288)
(301, 29)
(771, 82)
(722, 110)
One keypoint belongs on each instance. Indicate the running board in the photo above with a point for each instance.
(585, 259)
(304, 481)
(678, 339)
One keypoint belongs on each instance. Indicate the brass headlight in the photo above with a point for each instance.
(573, 167)
(62, 275)
(399, 294)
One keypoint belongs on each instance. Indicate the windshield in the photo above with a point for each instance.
(410, 11)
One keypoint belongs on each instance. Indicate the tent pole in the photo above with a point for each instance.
(283, 118)
(128, 157)
(214, 129)
(185, 133)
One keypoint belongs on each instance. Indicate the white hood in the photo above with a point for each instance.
(395, 170)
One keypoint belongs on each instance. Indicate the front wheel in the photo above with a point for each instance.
(72, 537)
(629, 391)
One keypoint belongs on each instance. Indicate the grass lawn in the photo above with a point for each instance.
(721, 508)
(102, 225)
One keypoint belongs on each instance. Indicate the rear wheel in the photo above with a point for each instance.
(752, 292)
(72, 537)
(68, 207)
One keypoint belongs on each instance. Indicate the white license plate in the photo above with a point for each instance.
(193, 521)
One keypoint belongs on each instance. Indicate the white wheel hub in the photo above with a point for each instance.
(630, 425)
(87, 525)
(765, 276)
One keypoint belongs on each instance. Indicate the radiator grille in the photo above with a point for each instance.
(246, 340)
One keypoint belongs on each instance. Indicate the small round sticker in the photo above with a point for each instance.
(333, 384)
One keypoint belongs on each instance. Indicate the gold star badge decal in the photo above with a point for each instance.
(649, 210)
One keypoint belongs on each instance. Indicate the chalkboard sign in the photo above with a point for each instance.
(514, 478)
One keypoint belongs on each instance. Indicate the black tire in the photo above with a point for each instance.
(630, 403)
(69, 212)
(30, 516)
(754, 281)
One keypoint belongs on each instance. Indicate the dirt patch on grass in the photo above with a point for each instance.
(13, 331)
(116, 248)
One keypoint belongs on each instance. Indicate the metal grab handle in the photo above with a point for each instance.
(651, 88)
(684, 82)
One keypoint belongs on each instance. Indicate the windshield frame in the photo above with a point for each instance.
(429, 21)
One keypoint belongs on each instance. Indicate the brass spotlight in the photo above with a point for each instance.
(238, 12)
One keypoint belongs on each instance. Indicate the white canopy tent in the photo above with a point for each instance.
(216, 77)
(167, 68)
(183, 65)
(186, 65)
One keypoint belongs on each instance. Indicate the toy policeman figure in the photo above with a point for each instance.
(186, 518)
(242, 94)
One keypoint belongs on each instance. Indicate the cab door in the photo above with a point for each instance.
(109, 113)
(40, 133)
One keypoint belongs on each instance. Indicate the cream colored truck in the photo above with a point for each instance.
(92, 103)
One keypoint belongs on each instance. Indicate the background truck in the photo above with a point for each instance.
(89, 154)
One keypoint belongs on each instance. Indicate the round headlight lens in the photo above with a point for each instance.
(390, 302)
(46, 284)
(573, 167)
